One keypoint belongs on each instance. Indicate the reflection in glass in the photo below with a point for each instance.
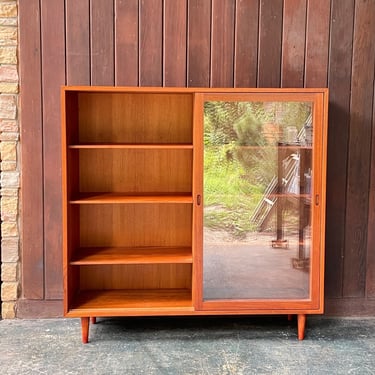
(257, 194)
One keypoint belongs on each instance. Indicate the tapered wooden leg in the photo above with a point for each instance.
(290, 317)
(85, 323)
(93, 320)
(301, 318)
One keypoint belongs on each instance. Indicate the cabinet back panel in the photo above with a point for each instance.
(71, 117)
(150, 276)
(136, 225)
(72, 281)
(73, 229)
(124, 170)
(135, 118)
(72, 178)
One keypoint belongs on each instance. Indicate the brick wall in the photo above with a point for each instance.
(10, 161)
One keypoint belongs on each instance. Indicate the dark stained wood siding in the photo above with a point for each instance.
(151, 43)
(102, 42)
(370, 272)
(246, 43)
(126, 43)
(32, 152)
(77, 33)
(202, 43)
(359, 150)
(199, 43)
(53, 72)
(317, 43)
(270, 37)
(175, 43)
(293, 43)
(222, 43)
(339, 72)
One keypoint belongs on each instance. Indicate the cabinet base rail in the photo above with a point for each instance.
(85, 326)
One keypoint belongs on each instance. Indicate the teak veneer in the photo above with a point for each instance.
(147, 231)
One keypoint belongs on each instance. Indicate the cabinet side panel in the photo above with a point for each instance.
(319, 200)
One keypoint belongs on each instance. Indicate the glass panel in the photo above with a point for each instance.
(257, 200)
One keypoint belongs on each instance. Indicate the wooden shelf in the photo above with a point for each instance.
(126, 301)
(145, 146)
(102, 198)
(137, 255)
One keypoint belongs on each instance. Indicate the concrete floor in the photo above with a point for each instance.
(250, 345)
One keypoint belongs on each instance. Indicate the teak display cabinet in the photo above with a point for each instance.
(183, 201)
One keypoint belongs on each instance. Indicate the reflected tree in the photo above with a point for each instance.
(240, 157)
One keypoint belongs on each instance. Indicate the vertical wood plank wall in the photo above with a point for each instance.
(198, 43)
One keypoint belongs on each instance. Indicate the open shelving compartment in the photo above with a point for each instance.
(128, 202)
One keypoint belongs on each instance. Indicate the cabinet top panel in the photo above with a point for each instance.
(191, 89)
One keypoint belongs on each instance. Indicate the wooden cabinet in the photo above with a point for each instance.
(182, 201)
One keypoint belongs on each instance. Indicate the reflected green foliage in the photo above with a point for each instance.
(227, 122)
(228, 195)
(240, 158)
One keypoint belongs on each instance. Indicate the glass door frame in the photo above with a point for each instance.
(315, 302)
